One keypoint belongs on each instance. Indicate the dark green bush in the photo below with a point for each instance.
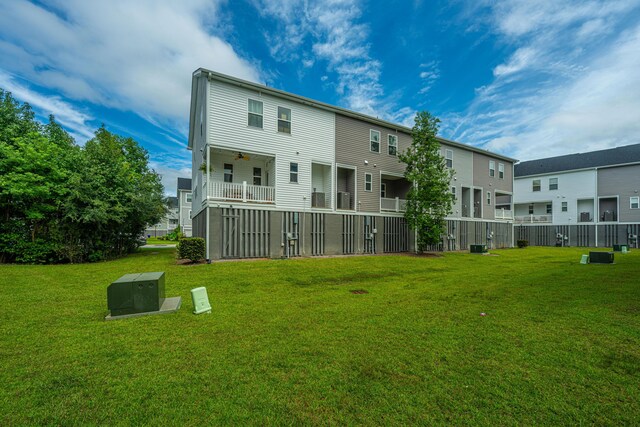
(191, 248)
(522, 243)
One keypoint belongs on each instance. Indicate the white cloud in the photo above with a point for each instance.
(430, 76)
(65, 113)
(334, 34)
(571, 83)
(133, 56)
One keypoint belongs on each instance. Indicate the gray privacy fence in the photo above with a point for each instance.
(258, 233)
(605, 235)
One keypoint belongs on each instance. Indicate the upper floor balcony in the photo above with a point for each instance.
(534, 219)
(241, 192)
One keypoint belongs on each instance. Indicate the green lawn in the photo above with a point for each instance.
(288, 343)
(156, 241)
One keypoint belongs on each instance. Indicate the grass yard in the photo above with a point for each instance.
(288, 343)
(156, 241)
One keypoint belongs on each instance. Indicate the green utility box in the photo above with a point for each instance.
(600, 257)
(136, 293)
(478, 249)
(618, 248)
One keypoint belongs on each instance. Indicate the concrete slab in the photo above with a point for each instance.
(170, 305)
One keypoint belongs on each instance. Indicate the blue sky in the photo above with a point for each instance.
(527, 79)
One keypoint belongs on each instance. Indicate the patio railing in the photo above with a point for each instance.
(242, 192)
(393, 205)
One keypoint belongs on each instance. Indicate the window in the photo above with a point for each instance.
(374, 138)
(453, 192)
(257, 176)
(536, 185)
(383, 190)
(448, 155)
(368, 182)
(488, 197)
(293, 172)
(634, 202)
(284, 120)
(564, 206)
(393, 145)
(553, 183)
(531, 209)
(492, 168)
(188, 197)
(255, 113)
(549, 208)
(501, 170)
(189, 214)
(228, 172)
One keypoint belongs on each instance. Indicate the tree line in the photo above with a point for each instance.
(61, 202)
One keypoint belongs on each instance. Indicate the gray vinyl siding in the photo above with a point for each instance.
(622, 181)
(488, 183)
(353, 148)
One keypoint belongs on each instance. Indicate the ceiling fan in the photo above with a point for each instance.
(241, 156)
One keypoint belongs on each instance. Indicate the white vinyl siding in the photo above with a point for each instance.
(312, 139)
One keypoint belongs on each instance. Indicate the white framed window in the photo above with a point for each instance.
(284, 120)
(293, 172)
(383, 190)
(255, 113)
(501, 170)
(565, 207)
(536, 185)
(368, 182)
(488, 197)
(257, 176)
(228, 172)
(492, 168)
(374, 141)
(188, 197)
(453, 192)
(553, 183)
(549, 208)
(531, 209)
(634, 202)
(448, 155)
(393, 145)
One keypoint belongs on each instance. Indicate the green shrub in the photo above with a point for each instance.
(191, 248)
(522, 243)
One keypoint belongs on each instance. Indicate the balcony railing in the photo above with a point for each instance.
(242, 192)
(534, 219)
(504, 214)
(393, 205)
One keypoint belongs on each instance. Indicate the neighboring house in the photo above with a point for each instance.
(184, 205)
(292, 176)
(584, 199)
(168, 223)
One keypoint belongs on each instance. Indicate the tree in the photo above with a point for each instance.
(429, 200)
(63, 203)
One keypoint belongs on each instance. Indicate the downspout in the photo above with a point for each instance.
(206, 197)
(596, 207)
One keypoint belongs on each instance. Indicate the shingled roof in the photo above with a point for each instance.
(592, 159)
(184, 184)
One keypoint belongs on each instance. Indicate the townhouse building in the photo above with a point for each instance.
(583, 199)
(184, 198)
(168, 223)
(276, 174)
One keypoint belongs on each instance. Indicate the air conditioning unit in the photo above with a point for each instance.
(317, 200)
(609, 216)
(585, 217)
(344, 200)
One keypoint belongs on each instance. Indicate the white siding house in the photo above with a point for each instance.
(557, 198)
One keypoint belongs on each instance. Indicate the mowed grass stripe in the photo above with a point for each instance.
(289, 343)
